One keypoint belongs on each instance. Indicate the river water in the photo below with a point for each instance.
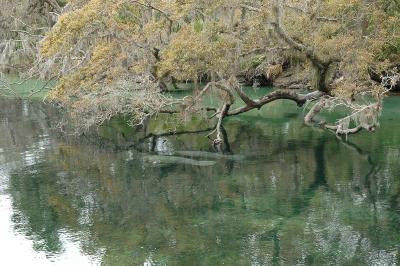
(281, 194)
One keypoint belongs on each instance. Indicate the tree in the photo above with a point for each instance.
(24, 23)
(115, 57)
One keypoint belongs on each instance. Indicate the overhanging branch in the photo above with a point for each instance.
(300, 99)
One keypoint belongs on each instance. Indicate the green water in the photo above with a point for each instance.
(282, 194)
(12, 86)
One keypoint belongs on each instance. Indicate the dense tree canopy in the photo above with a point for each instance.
(23, 24)
(119, 57)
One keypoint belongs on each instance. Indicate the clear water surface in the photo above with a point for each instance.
(282, 194)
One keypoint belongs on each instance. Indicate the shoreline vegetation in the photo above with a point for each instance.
(119, 58)
(200, 132)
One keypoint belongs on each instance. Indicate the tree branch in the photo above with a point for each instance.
(222, 113)
(154, 8)
(277, 95)
(251, 8)
(319, 18)
(338, 129)
(54, 4)
(319, 64)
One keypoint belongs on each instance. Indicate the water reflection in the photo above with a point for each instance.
(282, 193)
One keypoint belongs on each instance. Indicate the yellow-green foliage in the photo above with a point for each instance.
(71, 25)
(100, 69)
(193, 53)
(96, 43)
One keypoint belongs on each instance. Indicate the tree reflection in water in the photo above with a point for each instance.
(280, 194)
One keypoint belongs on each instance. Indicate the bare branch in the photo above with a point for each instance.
(363, 116)
(154, 8)
(218, 129)
(251, 8)
(319, 18)
(54, 4)
(309, 118)
(278, 95)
